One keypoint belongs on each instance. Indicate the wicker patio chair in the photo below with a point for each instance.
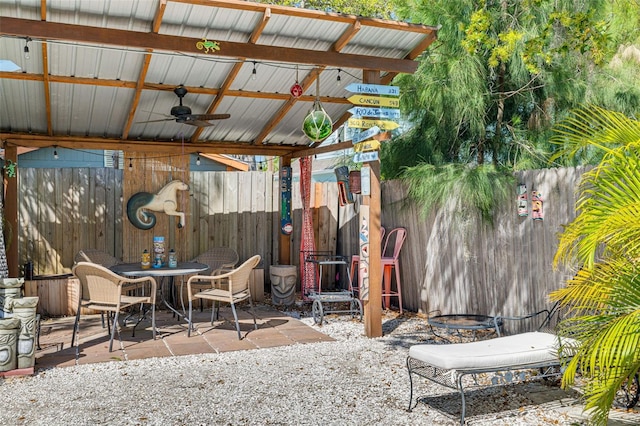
(97, 256)
(230, 287)
(218, 259)
(105, 291)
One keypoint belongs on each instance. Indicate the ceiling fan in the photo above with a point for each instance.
(182, 113)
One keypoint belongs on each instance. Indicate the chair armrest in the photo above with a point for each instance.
(131, 284)
(214, 280)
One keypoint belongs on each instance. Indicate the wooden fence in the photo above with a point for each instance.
(448, 264)
(451, 264)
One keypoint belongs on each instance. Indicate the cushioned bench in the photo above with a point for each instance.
(514, 355)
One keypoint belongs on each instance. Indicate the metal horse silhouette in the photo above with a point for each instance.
(164, 201)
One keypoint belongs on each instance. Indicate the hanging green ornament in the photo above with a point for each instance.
(317, 125)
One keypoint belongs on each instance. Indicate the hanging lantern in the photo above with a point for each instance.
(317, 125)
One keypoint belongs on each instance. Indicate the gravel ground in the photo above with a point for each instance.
(352, 381)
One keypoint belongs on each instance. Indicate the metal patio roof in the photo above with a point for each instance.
(97, 70)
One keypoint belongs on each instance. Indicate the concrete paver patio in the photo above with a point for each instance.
(274, 329)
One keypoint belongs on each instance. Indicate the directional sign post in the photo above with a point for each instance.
(363, 136)
(364, 157)
(373, 89)
(375, 112)
(374, 101)
(365, 124)
(371, 145)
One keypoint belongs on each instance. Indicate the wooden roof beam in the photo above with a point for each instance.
(135, 39)
(164, 87)
(45, 73)
(157, 20)
(75, 142)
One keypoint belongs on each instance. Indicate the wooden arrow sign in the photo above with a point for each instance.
(373, 89)
(374, 101)
(366, 124)
(375, 112)
(371, 145)
(363, 136)
(364, 157)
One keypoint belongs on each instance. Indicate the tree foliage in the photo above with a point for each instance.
(495, 81)
(477, 188)
(499, 76)
(369, 8)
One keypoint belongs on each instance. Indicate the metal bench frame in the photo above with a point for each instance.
(453, 379)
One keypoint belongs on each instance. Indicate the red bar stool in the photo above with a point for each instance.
(389, 263)
(355, 263)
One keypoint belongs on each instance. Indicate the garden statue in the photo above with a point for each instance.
(18, 325)
(283, 284)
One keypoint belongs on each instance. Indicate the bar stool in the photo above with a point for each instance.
(389, 263)
(355, 264)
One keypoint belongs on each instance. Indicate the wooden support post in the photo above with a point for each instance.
(373, 306)
(284, 247)
(11, 210)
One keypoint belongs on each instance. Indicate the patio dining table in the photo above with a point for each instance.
(181, 270)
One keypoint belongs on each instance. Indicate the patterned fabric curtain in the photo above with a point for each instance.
(307, 244)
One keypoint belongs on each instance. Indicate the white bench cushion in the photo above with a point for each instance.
(493, 354)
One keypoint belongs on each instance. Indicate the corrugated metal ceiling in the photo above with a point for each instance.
(74, 87)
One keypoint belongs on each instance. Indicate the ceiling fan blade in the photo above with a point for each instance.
(210, 116)
(154, 121)
(197, 123)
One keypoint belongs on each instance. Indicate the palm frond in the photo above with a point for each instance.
(604, 317)
(609, 207)
(594, 127)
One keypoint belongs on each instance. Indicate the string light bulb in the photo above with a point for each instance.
(338, 78)
(55, 152)
(26, 48)
(254, 73)
(130, 164)
(198, 160)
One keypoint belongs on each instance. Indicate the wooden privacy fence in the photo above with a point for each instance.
(453, 265)
(448, 265)
(62, 211)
